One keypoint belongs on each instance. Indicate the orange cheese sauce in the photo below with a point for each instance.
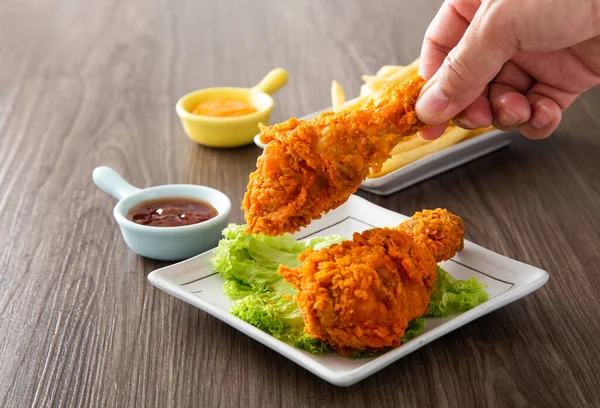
(223, 108)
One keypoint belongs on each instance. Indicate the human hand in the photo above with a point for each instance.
(510, 63)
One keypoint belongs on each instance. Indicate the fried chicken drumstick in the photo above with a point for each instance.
(361, 294)
(312, 166)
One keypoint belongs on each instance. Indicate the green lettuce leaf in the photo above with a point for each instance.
(414, 328)
(252, 260)
(279, 316)
(455, 296)
(312, 345)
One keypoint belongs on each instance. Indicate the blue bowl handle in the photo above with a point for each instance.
(112, 183)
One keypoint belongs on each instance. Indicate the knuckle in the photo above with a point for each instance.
(454, 4)
(432, 43)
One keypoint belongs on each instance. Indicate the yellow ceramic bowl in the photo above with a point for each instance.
(235, 130)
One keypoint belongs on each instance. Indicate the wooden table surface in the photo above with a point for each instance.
(89, 83)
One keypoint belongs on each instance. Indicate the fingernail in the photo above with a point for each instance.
(432, 103)
(507, 117)
(542, 117)
(465, 123)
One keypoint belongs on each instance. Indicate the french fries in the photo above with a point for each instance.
(337, 95)
(388, 70)
(376, 85)
(451, 137)
(408, 143)
(411, 148)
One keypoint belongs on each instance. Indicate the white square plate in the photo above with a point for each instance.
(195, 281)
(430, 165)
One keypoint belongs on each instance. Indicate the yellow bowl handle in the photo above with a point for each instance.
(272, 81)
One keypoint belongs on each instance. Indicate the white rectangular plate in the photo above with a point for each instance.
(195, 281)
(430, 165)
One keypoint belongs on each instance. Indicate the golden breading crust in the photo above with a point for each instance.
(438, 230)
(361, 294)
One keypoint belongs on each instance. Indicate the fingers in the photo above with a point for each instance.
(545, 118)
(511, 109)
(444, 33)
(536, 114)
(547, 104)
(433, 133)
(562, 98)
(464, 74)
(477, 115)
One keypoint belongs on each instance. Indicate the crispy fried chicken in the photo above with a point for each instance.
(361, 294)
(312, 166)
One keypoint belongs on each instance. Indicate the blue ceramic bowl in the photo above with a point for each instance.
(164, 243)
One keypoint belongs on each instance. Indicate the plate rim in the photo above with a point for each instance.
(357, 374)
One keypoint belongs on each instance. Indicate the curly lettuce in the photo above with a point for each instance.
(271, 312)
(312, 345)
(453, 296)
(413, 329)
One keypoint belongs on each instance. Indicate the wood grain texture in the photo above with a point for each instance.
(87, 83)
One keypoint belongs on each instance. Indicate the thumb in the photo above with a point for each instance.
(478, 57)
